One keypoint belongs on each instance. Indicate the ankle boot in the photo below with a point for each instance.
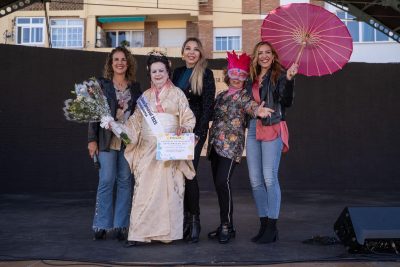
(227, 232)
(121, 233)
(195, 228)
(263, 226)
(99, 234)
(215, 233)
(186, 225)
(270, 234)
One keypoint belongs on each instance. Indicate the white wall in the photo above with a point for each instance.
(285, 2)
(376, 52)
(373, 52)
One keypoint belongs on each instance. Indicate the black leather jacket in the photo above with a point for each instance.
(280, 95)
(100, 135)
(201, 105)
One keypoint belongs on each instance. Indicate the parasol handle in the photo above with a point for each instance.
(303, 44)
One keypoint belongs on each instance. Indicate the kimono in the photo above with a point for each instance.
(157, 203)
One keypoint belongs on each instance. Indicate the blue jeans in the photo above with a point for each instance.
(114, 172)
(263, 159)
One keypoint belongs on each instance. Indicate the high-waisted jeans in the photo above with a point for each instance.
(114, 172)
(263, 159)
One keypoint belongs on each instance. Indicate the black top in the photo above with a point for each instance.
(201, 105)
(95, 132)
(277, 96)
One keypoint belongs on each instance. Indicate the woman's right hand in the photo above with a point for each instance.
(263, 112)
(93, 148)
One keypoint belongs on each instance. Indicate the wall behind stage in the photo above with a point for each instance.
(344, 130)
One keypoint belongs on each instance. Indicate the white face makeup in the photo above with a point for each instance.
(119, 63)
(158, 74)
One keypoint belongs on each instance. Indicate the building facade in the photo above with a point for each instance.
(99, 25)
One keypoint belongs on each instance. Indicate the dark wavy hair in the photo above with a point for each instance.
(154, 58)
(130, 74)
(255, 69)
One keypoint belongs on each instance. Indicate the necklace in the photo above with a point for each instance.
(120, 86)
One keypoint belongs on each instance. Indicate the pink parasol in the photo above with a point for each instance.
(310, 36)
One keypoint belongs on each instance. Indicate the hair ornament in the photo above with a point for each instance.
(157, 53)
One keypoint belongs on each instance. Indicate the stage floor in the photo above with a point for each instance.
(58, 227)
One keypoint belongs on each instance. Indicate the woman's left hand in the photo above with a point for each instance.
(180, 131)
(292, 71)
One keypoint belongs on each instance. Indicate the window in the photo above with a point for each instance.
(227, 39)
(361, 31)
(131, 38)
(30, 31)
(67, 33)
(171, 37)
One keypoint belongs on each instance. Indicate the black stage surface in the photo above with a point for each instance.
(58, 226)
(344, 135)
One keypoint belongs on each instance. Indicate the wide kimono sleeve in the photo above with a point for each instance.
(133, 127)
(187, 119)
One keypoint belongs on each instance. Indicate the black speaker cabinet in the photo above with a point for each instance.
(369, 228)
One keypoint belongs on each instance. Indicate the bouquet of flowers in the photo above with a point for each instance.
(90, 105)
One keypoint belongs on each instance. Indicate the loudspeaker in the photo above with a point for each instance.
(369, 229)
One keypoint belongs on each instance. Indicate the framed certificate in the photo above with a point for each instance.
(173, 147)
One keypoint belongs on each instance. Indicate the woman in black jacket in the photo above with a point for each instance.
(122, 91)
(197, 82)
(267, 138)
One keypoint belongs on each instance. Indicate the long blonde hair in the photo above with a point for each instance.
(255, 69)
(196, 79)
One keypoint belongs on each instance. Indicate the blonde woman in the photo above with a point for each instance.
(197, 82)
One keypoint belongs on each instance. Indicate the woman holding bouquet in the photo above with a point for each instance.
(122, 91)
(157, 204)
(197, 82)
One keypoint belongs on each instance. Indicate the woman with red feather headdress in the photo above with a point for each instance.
(227, 137)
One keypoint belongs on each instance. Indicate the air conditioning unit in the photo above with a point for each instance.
(203, 2)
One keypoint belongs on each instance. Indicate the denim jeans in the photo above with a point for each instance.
(263, 159)
(115, 175)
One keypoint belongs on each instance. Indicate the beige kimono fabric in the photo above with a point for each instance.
(157, 204)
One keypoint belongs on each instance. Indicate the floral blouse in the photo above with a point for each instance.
(227, 133)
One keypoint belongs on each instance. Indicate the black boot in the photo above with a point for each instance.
(129, 244)
(227, 232)
(215, 233)
(270, 234)
(195, 228)
(121, 233)
(263, 225)
(186, 225)
(99, 234)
